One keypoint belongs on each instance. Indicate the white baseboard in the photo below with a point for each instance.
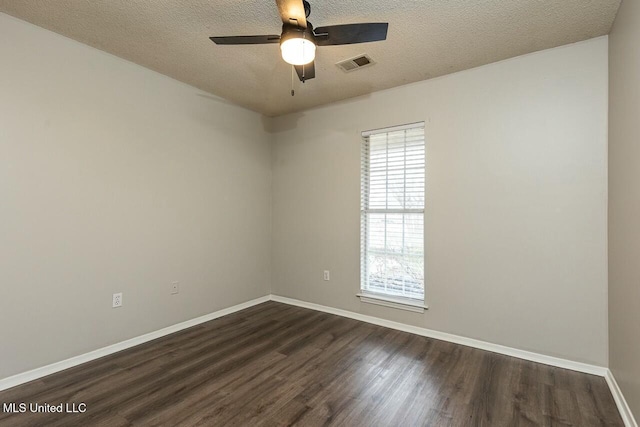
(123, 345)
(621, 402)
(470, 342)
(618, 397)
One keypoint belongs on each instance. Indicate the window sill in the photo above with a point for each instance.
(400, 303)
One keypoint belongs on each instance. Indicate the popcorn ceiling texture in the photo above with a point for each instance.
(426, 39)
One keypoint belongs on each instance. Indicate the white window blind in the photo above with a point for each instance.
(392, 211)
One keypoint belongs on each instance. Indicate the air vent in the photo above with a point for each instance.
(355, 63)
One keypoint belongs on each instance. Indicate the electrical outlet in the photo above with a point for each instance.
(327, 275)
(117, 300)
(175, 288)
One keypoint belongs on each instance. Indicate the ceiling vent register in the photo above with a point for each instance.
(355, 63)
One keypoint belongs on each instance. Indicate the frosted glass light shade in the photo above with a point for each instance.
(298, 51)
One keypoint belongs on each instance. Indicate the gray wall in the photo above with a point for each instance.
(624, 202)
(116, 179)
(516, 215)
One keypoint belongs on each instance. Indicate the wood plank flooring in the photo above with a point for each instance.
(275, 364)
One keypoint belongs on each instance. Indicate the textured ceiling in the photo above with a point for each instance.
(427, 38)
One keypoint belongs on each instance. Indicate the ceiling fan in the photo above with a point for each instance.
(299, 39)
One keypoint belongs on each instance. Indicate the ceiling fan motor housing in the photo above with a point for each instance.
(294, 32)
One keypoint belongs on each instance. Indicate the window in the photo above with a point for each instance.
(392, 216)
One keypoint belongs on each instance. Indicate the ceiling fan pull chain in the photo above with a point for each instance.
(292, 71)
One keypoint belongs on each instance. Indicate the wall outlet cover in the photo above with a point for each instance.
(117, 300)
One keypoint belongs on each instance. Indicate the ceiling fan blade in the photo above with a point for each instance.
(351, 33)
(306, 72)
(292, 12)
(246, 39)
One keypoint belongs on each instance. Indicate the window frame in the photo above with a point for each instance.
(381, 298)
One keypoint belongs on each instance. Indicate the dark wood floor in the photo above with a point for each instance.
(275, 364)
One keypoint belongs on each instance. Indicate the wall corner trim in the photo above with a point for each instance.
(43, 371)
(621, 402)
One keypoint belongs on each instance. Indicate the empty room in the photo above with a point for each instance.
(322, 212)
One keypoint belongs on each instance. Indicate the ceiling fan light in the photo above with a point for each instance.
(298, 51)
